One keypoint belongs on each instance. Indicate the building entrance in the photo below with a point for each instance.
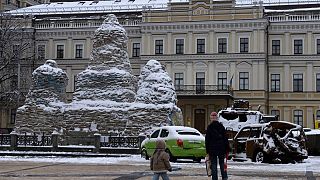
(199, 119)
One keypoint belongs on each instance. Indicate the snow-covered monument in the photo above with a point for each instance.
(108, 99)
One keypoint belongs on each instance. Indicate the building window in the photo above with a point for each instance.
(159, 47)
(297, 83)
(13, 116)
(60, 51)
(275, 82)
(298, 48)
(318, 115)
(222, 45)
(318, 46)
(79, 50)
(222, 80)
(41, 51)
(275, 113)
(136, 50)
(243, 81)
(318, 82)
(178, 81)
(201, 45)
(275, 47)
(200, 82)
(244, 45)
(179, 46)
(298, 117)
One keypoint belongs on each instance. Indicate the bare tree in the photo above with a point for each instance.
(16, 57)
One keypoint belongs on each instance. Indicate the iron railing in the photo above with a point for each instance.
(203, 90)
(115, 141)
(34, 140)
(5, 139)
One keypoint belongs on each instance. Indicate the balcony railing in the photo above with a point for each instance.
(83, 24)
(287, 17)
(203, 90)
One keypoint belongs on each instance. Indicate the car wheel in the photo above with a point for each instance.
(144, 153)
(197, 160)
(259, 157)
(172, 158)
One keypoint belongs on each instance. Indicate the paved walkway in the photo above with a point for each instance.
(65, 171)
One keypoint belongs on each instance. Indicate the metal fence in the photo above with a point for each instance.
(115, 141)
(34, 140)
(5, 139)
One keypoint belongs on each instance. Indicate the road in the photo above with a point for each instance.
(135, 168)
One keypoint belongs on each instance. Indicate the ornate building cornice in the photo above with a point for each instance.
(294, 58)
(205, 26)
(192, 57)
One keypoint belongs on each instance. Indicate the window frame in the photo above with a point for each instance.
(178, 80)
(275, 48)
(244, 46)
(222, 46)
(275, 82)
(179, 46)
(297, 82)
(78, 53)
(317, 82)
(275, 112)
(200, 82)
(298, 117)
(158, 47)
(201, 46)
(318, 115)
(297, 48)
(222, 80)
(318, 46)
(58, 53)
(244, 81)
(136, 51)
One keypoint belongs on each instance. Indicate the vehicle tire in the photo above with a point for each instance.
(259, 156)
(144, 153)
(197, 160)
(172, 158)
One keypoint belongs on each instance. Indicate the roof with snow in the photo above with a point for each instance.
(110, 6)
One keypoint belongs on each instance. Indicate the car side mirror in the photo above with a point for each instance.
(148, 136)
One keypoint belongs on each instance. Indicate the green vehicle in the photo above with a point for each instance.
(181, 143)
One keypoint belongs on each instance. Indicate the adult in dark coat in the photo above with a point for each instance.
(216, 146)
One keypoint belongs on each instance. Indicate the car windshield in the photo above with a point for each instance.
(188, 133)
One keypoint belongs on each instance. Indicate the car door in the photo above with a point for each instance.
(239, 146)
(255, 138)
(151, 144)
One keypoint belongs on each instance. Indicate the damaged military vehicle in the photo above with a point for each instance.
(273, 142)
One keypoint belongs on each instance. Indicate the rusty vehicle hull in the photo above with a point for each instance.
(273, 142)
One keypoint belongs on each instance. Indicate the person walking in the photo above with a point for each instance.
(159, 162)
(217, 146)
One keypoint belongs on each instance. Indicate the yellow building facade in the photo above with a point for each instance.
(214, 51)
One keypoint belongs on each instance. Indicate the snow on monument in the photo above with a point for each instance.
(155, 100)
(108, 76)
(105, 96)
(155, 85)
(49, 85)
(45, 98)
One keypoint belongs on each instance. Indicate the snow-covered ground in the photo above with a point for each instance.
(310, 164)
